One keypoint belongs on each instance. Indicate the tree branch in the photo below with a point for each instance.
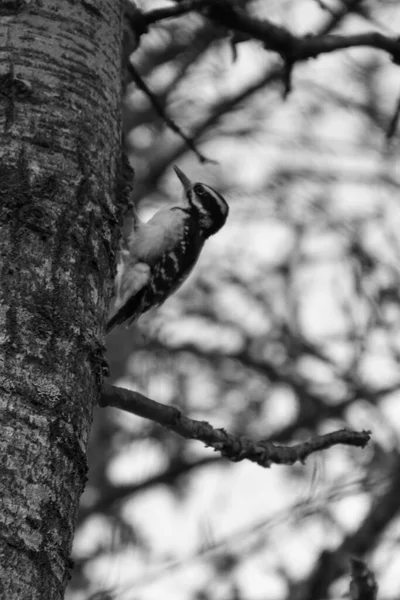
(115, 494)
(363, 585)
(392, 128)
(367, 537)
(337, 16)
(170, 12)
(141, 84)
(262, 452)
(276, 38)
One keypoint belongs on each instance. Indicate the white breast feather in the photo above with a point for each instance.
(146, 244)
(157, 236)
(134, 278)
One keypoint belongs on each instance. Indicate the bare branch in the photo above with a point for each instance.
(142, 85)
(330, 565)
(363, 585)
(392, 128)
(337, 16)
(276, 38)
(262, 452)
(159, 14)
(118, 493)
(311, 47)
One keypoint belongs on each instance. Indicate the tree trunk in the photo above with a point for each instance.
(59, 174)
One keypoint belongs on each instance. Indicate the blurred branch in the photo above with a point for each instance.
(292, 48)
(363, 585)
(392, 128)
(243, 540)
(332, 563)
(170, 12)
(337, 16)
(234, 448)
(159, 164)
(357, 7)
(277, 38)
(142, 85)
(317, 407)
(122, 492)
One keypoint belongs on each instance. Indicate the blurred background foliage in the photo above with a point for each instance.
(288, 327)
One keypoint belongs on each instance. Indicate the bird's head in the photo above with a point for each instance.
(208, 206)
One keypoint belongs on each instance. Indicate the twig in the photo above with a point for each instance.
(113, 494)
(277, 38)
(159, 14)
(262, 452)
(392, 127)
(363, 585)
(337, 15)
(141, 84)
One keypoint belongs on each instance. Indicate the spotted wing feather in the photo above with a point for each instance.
(166, 275)
(173, 268)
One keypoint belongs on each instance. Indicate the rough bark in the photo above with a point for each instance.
(59, 170)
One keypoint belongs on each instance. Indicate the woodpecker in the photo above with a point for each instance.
(161, 253)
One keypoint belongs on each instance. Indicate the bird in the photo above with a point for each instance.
(160, 254)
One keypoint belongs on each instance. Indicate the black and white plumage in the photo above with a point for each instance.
(160, 254)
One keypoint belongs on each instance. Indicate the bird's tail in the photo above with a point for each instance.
(128, 313)
(111, 323)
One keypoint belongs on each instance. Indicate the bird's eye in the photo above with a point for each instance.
(200, 191)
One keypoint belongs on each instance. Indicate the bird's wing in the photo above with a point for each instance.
(152, 285)
(168, 275)
(130, 295)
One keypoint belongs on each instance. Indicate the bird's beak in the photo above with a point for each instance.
(185, 181)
